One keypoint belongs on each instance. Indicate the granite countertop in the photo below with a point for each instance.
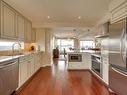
(12, 57)
(86, 51)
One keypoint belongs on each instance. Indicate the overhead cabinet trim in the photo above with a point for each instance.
(119, 13)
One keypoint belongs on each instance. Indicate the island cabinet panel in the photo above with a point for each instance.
(8, 22)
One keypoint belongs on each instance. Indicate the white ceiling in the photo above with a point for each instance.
(63, 13)
(69, 32)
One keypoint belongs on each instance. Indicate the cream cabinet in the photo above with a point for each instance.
(31, 65)
(25, 69)
(33, 36)
(28, 31)
(118, 9)
(14, 25)
(8, 22)
(38, 60)
(37, 64)
(20, 27)
(23, 72)
(28, 65)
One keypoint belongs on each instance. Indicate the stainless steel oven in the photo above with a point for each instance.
(75, 57)
(8, 76)
(97, 64)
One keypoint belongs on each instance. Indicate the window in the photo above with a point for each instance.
(86, 45)
(7, 45)
(68, 44)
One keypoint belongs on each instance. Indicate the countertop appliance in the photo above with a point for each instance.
(75, 57)
(9, 76)
(118, 56)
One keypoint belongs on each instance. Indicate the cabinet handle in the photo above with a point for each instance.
(118, 72)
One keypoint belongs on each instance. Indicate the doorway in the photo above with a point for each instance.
(64, 46)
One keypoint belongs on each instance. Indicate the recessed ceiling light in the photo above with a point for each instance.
(79, 17)
(48, 17)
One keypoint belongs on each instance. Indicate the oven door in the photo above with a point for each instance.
(75, 57)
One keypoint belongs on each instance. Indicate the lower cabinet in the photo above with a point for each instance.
(28, 65)
(22, 72)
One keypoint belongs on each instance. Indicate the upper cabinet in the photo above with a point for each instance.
(8, 22)
(118, 10)
(21, 27)
(33, 36)
(14, 26)
(28, 31)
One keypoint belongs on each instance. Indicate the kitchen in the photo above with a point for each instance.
(30, 31)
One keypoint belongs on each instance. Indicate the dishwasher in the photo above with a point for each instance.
(9, 72)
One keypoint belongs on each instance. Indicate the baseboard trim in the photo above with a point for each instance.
(26, 83)
(46, 65)
(78, 69)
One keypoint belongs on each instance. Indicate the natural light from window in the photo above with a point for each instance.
(66, 44)
(5, 45)
(86, 45)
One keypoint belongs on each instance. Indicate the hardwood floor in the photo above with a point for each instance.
(56, 80)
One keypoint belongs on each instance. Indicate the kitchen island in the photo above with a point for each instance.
(79, 60)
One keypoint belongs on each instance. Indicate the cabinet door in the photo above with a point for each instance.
(8, 22)
(33, 36)
(28, 69)
(28, 32)
(32, 66)
(36, 62)
(22, 72)
(20, 27)
(119, 12)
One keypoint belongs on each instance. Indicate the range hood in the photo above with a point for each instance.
(104, 30)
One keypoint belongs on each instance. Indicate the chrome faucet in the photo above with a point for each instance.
(13, 47)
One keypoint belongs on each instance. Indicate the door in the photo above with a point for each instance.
(117, 46)
(8, 16)
(117, 81)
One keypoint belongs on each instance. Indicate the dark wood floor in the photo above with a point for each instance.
(58, 81)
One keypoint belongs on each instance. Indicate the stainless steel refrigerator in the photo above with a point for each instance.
(118, 57)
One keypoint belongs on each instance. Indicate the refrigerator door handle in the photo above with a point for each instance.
(123, 46)
(118, 71)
